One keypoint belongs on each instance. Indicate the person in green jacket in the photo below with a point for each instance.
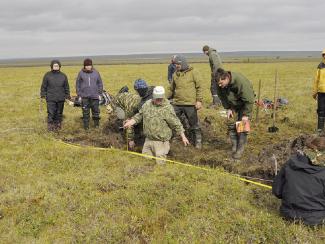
(125, 105)
(215, 63)
(186, 92)
(237, 96)
(159, 120)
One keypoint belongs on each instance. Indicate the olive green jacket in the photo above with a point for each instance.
(185, 88)
(238, 95)
(158, 121)
(214, 60)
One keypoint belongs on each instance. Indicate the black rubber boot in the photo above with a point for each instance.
(50, 126)
(96, 123)
(242, 140)
(198, 138)
(86, 124)
(320, 125)
(233, 137)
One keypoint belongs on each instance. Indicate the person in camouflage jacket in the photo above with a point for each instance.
(159, 120)
(237, 95)
(125, 106)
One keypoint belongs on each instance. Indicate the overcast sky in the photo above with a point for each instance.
(44, 28)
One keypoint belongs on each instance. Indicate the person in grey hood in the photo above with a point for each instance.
(301, 184)
(89, 87)
(215, 64)
(55, 89)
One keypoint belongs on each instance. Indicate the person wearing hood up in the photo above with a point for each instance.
(215, 64)
(186, 92)
(144, 91)
(89, 88)
(301, 184)
(55, 89)
(319, 94)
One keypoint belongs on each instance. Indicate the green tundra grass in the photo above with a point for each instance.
(53, 193)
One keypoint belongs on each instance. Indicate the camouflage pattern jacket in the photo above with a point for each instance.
(158, 121)
(129, 103)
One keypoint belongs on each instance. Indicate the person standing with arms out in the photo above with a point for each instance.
(171, 69)
(89, 86)
(319, 94)
(55, 89)
(237, 96)
(186, 92)
(215, 63)
(159, 120)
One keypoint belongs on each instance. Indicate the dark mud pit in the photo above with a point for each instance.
(215, 152)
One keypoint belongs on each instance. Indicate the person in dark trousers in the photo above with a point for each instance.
(55, 89)
(215, 63)
(89, 88)
(319, 94)
(144, 91)
(171, 69)
(301, 184)
(237, 96)
(186, 92)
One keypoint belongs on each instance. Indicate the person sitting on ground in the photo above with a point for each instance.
(89, 88)
(237, 96)
(301, 184)
(159, 119)
(55, 89)
(144, 91)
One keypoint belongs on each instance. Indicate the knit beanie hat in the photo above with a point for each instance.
(140, 84)
(88, 62)
(55, 61)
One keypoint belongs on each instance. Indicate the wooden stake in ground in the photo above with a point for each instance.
(274, 129)
(258, 100)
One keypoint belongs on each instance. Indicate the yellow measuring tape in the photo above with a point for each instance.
(166, 160)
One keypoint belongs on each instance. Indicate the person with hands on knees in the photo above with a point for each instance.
(159, 121)
(55, 89)
(237, 96)
(89, 88)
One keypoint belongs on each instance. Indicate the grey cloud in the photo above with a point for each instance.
(127, 26)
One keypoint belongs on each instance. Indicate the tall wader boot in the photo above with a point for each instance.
(96, 123)
(50, 126)
(85, 112)
(242, 140)
(320, 125)
(197, 138)
(233, 137)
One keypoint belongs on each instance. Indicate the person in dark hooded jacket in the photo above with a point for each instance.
(55, 89)
(89, 86)
(301, 184)
(144, 91)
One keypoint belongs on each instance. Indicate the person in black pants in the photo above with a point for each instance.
(89, 86)
(55, 89)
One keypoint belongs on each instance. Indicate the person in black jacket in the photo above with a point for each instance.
(55, 89)
(301, 184)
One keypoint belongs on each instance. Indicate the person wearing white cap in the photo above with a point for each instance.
(159, 121)
(319, 94)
